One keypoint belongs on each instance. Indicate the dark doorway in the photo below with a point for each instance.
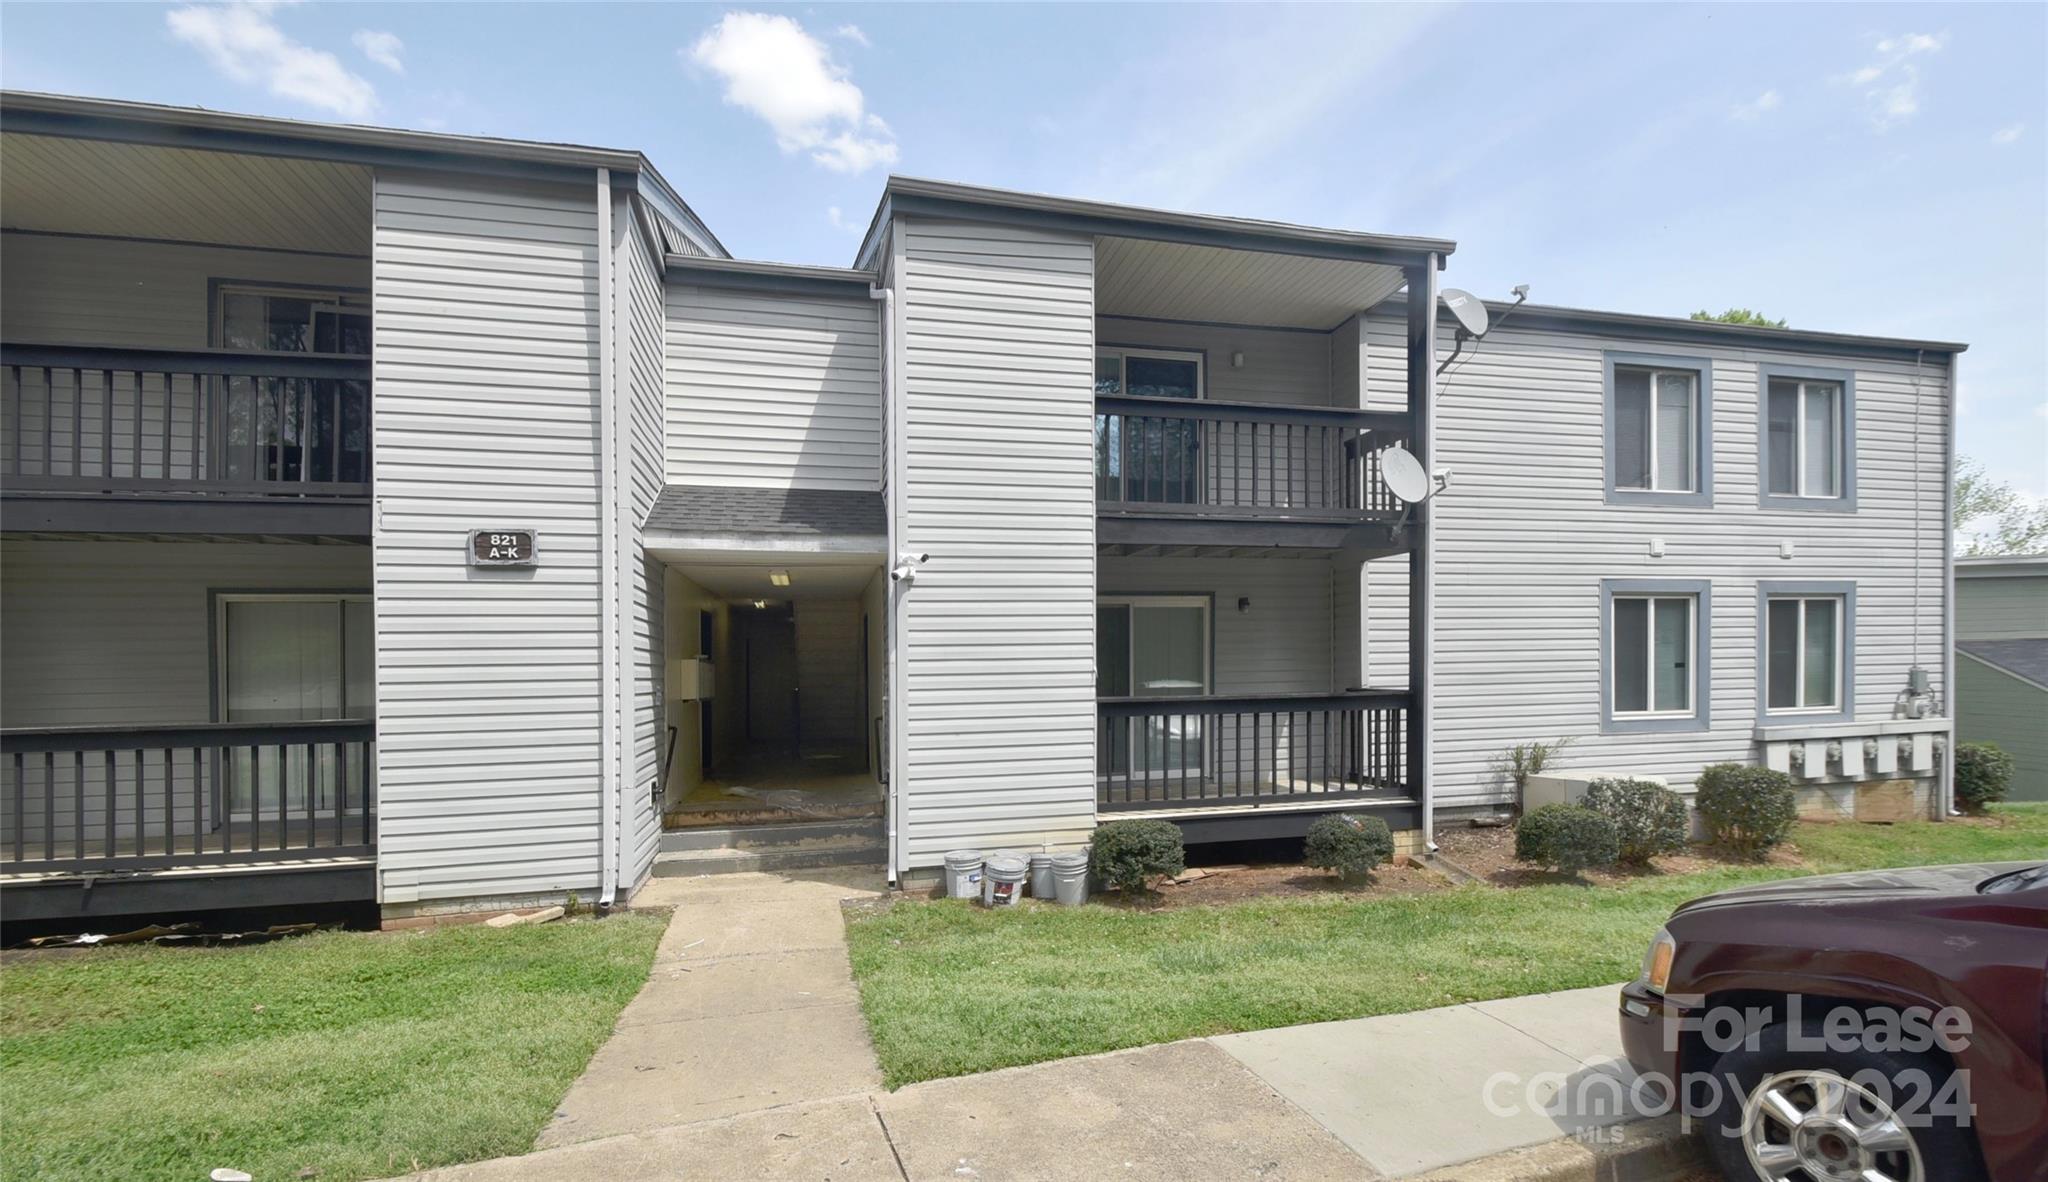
(769, 640)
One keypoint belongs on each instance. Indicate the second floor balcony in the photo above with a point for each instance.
(1242, 474)
(98, 439)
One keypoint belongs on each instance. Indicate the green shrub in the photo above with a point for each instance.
(1746, 808)
(1517, 763)
(1566, 837)
(1983, 773)
(1648, 817)
(1350, 844)
(1129, 854)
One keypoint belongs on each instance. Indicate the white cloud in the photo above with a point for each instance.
(2008, 135)
(852, 33)
(840, 221)
(782, 74)
(242, 42)
(1758, 107)
(1891, 84)
(382, 48)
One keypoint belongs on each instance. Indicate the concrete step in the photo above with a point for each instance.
(772, 838)
(773, 859)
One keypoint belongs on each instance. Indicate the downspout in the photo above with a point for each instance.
(608, 556)
(1948, 588)
(1422, 561)
(892, 619)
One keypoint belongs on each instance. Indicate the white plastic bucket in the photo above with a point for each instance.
(1002, 881)
(1041, 875)
(1070, 878)
(963, 874)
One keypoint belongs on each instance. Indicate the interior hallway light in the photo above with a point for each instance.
(779, 578)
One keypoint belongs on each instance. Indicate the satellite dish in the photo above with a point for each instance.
(1471, 313)
(1405, 476)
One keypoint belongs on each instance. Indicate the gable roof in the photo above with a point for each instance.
(2024, 659)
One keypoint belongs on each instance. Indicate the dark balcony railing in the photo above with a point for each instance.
(158, 422)
(1241, 459)
(1204, 751)
(132, 798)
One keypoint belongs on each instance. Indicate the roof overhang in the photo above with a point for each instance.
(778, 278)
(30, 113)
(1632, 326)
(2002, 566)
(915, 196)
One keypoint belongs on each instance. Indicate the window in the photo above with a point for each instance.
(1808, 438)
(1806, 649)
(292, 320)
(1148, 373)
(1659, 445)
(1654, 659)
(1653, 654)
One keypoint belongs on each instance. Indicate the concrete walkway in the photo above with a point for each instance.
(750, 1005)
(745, 1056)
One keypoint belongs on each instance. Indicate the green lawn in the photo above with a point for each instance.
(354, 1055)
(950, 988)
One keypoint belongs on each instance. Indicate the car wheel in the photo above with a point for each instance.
(1789, 1115)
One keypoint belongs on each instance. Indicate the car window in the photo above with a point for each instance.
(2016, 880)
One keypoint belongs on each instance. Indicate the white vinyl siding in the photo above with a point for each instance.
(1525, 536)
(486, 389)
(144, 295)
(772, 391)
(998, 680)
(639, 305)
(1279, 365)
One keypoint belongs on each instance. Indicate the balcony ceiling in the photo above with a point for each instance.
(78, 186)
(1179, 281)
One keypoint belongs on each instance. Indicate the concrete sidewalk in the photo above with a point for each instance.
(746, 1056)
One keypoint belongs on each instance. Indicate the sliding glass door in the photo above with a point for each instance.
(293, 658)
(1153, 647)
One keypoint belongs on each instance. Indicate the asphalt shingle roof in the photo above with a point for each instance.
(2022, 658)
(696, 508)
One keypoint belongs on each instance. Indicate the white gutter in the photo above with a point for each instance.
(608, 555)
(893, 663)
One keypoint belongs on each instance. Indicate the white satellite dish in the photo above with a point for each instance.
(1469, 309)
(1405, 476)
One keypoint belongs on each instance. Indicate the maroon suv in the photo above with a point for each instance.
(1883, 1026)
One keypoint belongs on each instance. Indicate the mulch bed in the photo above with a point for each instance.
(1489, 855)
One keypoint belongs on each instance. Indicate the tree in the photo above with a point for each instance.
(1739, 316)
(1993, 518)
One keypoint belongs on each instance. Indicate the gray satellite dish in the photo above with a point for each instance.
(1468, 308)
(1405, 476)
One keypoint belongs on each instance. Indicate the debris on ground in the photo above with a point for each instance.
(166, 935)
(517, 918)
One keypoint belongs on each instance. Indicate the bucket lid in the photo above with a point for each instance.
(963, 858)
(1073, 860)
(1000, 865)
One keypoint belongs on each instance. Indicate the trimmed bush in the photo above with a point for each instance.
(1129, 854)
(1746, 808)
(1983, 773)
(1566, 837)
(1648, 817)
(1350, 844)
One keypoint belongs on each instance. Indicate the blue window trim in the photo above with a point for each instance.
(1703, 429)
(1846, 503)
(1703, 632)
(1769, 589)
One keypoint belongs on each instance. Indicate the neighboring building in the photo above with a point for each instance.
(2002, 665)
(448, 522)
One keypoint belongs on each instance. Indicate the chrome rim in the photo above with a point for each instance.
(1815, 1126)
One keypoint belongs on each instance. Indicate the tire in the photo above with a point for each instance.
(1843, 1100)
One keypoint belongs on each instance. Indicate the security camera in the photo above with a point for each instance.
(905, 573)
(913, 559)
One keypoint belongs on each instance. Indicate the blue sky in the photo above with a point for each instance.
(1873, 169)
